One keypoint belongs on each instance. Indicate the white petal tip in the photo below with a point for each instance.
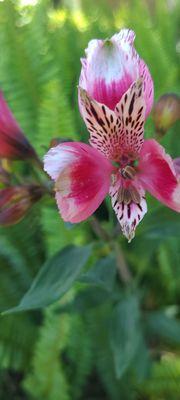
(128, 232)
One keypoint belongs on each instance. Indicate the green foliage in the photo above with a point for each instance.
(54, 278)
(164, 382)
(102, 274)
(125, 333)
(47, 379)
(101, 341)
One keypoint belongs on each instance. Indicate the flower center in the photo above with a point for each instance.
(127, 192)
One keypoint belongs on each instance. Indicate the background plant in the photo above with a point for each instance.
(108, 337)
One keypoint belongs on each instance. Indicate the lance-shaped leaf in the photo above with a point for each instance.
(54, 278)
(125, 333)
(159, 324)
(102, 274)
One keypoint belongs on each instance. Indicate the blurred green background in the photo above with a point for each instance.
(103, 340)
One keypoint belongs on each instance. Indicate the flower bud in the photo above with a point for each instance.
(166, 112)
(15, 201)
(13, 144)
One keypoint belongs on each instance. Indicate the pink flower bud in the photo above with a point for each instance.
(166, 112)
(15, 201)
(13, 144)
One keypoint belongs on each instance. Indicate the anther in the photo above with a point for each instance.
(113, 179)
(128, 172)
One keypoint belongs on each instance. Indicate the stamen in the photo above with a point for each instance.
(113, 179)
(128, 172)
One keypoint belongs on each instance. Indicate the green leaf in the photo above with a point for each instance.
(54, 278)
(161, 223)
(88, 299)
(125, 333)
(142, 361)
(102, 274)
(163, 326)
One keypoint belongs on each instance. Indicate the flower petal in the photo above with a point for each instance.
(176, 163)
(82, 178)
(158, 175)
(128, 215)
(131, 111)
(148, 86)
(110, 68)
(104, 125)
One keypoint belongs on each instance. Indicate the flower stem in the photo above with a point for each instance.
(99, 230)
(122, 266)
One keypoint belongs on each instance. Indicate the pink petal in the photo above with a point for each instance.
(111, 67)
(131, 111)
(176, 164)
(157, 174)
(128, 215)
(104, 126)
(82, 178)
(60, 157)
(148, 86)
(13, 143)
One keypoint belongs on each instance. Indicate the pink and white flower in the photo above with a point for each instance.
(111, 66)
(119, 161)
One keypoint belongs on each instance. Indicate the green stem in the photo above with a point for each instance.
(99, 230)
(122, 266)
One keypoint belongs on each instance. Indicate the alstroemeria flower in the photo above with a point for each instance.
(111, 66)
(13, 144)
(120, 162)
